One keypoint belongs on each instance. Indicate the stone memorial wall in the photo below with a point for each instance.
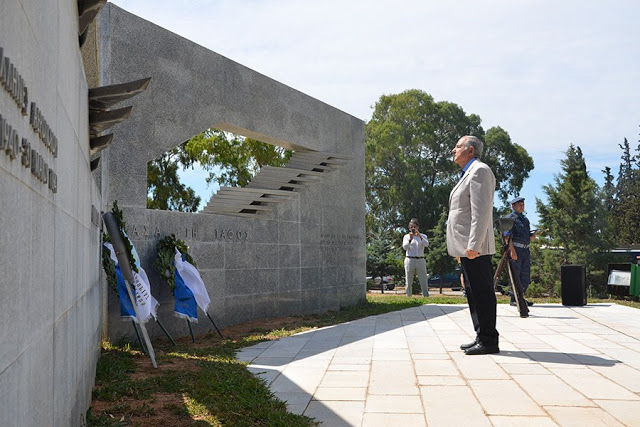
(304, 254)
(49, 227)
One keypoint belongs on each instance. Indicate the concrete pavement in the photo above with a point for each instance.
(561, 366)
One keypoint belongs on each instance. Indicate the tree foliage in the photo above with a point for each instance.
(437, 257)
(574, 215)
(237, 158)
(608, 189)
(383, 254)
(510, 162)
(626, 200)
(231, 160)
(164, 189)
(409, 167)
(574, 219)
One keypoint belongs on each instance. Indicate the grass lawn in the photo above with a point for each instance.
(202, 384)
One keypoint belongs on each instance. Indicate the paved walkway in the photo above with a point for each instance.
(561, 366)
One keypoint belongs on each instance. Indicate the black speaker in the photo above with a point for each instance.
(574, 284)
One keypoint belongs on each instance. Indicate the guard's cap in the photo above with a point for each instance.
(517, 199)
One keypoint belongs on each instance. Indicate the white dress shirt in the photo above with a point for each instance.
(415, 246)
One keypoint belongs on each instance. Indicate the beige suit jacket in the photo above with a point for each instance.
(470, 223)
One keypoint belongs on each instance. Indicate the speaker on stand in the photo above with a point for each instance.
(573, 279)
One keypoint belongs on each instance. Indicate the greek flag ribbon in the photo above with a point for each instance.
(146, 304)
(190, 291)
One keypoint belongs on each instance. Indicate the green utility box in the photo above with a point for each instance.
(634, 286)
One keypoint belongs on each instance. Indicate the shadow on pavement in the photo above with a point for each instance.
(560, 358)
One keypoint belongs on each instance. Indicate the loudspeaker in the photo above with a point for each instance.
(574, 284)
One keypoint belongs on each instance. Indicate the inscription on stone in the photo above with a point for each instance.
(230, 235)
(13, 82)
(10, 141)
(333, 241)
(144, 231)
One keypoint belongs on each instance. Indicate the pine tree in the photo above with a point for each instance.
(574, 216)
(608, 190)
(626, 205)
(383, 255)
(624, 172)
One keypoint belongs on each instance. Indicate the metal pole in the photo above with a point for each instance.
(214, 324)
(193, 339)
(165, 332)
(121, 254)
(135, 327)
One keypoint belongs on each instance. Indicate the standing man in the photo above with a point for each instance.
(414, 244)
(521, 236)
(470, 237)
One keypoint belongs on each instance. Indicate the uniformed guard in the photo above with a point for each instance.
(521, 237)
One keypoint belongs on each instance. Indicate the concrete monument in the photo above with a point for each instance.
(293, 240)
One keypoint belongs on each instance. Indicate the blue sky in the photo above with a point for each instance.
(550, 73)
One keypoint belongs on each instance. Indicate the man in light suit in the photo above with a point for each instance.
(470, 237)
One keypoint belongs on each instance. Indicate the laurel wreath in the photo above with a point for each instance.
(107, 263)
(166, 254)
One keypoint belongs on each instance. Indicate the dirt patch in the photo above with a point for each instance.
(146, 370)
(170, 409)
(163, 409)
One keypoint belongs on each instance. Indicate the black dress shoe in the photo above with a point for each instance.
(512, 303)
(482, 349)
(466, 346)
(529, 303)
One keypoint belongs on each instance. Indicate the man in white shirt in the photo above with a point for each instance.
(414, 243)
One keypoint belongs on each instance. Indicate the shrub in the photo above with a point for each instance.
(536, 290)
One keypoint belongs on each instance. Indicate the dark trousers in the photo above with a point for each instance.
(478, 277)
(522, 269)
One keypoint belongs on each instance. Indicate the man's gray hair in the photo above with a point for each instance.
(477, 145)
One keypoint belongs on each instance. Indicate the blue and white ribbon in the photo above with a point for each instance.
(190, 291)
(146, 304)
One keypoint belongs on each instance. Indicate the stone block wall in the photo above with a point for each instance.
(49, 225)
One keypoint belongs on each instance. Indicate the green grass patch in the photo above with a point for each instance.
(113, 370)
(210, 388)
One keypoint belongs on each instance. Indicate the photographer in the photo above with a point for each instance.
(414, 244)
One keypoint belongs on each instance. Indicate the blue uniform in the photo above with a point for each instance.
(521, 237)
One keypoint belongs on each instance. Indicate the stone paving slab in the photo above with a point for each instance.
(562, 366)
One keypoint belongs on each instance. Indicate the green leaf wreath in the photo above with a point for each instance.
(107, 263)
(166, 254)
